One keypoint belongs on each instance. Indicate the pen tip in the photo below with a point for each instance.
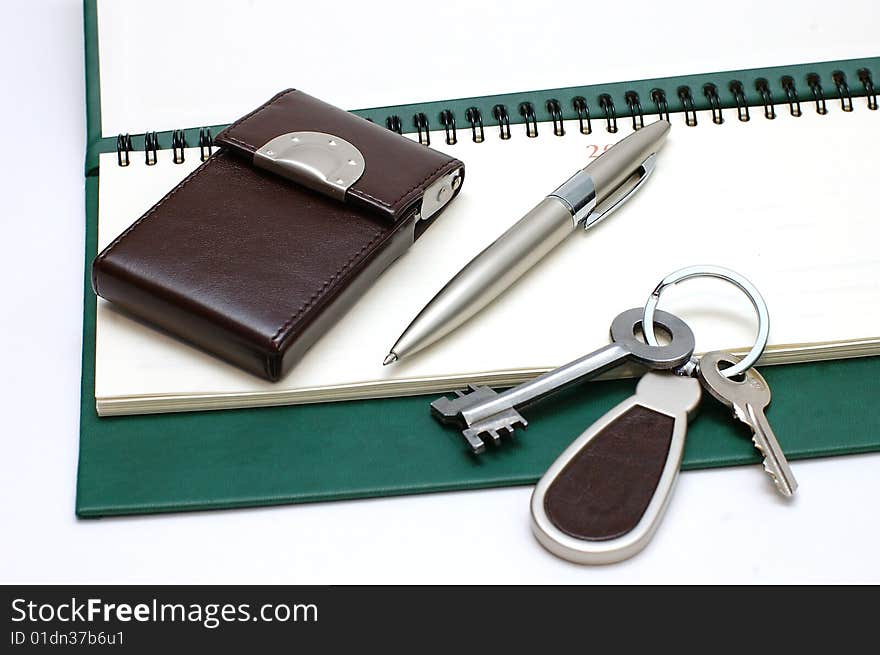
(389, 359)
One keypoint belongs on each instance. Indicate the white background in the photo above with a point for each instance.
(723, 525)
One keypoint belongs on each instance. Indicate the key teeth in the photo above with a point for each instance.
(780, 485)
(477, 445)
(489, 430)
(478, 438)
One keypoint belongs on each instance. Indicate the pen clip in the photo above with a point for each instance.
(623, 193)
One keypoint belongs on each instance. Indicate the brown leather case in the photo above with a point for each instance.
(253, 267)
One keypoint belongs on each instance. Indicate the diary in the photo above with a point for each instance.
(452, 74)
(754, 195)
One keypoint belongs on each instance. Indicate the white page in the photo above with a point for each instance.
(787, 203)
(168, 64)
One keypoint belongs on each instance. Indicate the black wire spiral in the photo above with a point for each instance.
(710, 91)
(606, 102)
(659, 98)
(555, 110)
(818, 93)
(580, 105)
(151, 145)
(123, 148)
(865, 78)
(475, 118)
(421, 124)
(791, 94)
(447, 118)
(635, 109)
(206, 143)
(583, 113)
(527, 111)
(393, 123)
(843, 93)
(503, 118)
(739, 97)
(763, 88)
(178, 146)
(687, 105)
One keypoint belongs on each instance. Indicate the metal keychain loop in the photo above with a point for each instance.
(722, 274)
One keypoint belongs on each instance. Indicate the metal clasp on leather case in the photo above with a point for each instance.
(439, 193)
(322, 162)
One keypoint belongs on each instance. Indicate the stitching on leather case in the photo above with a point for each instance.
(364, 194)
(417, 185)
(101, 257)
(234, 139)
(299, 312)
(182, 183)
(311, 301)
(226, 133)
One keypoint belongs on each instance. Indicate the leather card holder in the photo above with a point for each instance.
(253, 256)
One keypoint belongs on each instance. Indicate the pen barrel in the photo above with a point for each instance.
(522, 246)
(611, 169)
(502, 263)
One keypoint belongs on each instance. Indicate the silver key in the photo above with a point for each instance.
(748, 398)
(486, 415)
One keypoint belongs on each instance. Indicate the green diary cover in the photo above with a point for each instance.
(251, 457)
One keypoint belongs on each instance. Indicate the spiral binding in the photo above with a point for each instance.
(579, 110)
(475, 118)
(739, 97)
(447, 118)
(555, 110)
(687, 106)
(178, 144)
(865, 78)
(659, 98)
(794, 103)
(710, 91)
(421, 123)
(206, 143)
(606, 102)
(583, 113)
(123, 148)
(635, 109)
(503, 117)
(527, 111)
(151, 146)
(818, 94)
(842, 90)
(763, 88)
(393, 123)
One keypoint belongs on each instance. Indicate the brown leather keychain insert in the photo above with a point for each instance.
(603, 491)
(602, 499)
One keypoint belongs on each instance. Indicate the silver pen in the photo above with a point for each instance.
(585, 199)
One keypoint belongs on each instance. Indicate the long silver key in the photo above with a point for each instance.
(485, 415)
(748, 398)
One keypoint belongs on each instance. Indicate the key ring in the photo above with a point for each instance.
(722, 274)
